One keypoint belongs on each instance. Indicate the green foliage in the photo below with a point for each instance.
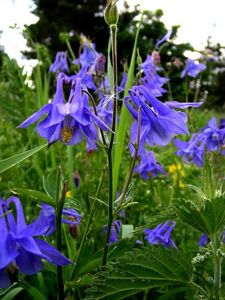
(208, 217)
(124, 117)
(141, 269)
(38, 196)
(10, 162)
(12, 293)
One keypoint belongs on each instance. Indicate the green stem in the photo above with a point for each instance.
(84, 237)
(70, 164)
(198, 87)
(96, 113)
(170, 94)
(136, 146)
(70, 50)
(113, 30)
(217, 261)
(59, 208)
(203, 292)
(124, 115)
(186, 88)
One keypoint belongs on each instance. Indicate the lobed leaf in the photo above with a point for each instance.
(208, 218)
(141, 269)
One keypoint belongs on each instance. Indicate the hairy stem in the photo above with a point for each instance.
(217, 261)
(113, 29)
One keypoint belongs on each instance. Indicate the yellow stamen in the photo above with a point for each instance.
(67, 134)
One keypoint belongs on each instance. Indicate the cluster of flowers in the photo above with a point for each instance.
(70, 118)
(210, 138)
(21, 250)
(161, 234)
(159, 122)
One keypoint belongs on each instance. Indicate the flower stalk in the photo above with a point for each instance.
(217, 262)
(113, 30)
(135, 156)
(60, 199)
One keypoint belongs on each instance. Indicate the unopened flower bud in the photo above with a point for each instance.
(76, 179)
(12, 271)
(177, 62)
(111, 14)
(100, 64)
(156, 57)
(74, 229)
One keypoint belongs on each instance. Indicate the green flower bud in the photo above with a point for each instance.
(111, 14)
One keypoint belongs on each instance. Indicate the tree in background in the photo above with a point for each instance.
(85, 16)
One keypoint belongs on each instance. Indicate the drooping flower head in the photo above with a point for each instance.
(159, 123)
(148, 166)
(161, 234)
(60, 64)
(68, 120)
(193, 150)
(192, 68)
(211, 137)
(203, 240)
(214, 135)
(88, 55)
(151, 79)
(165, 38)
(115, 231)
(45, 223)
(21, 250)
(99, 64)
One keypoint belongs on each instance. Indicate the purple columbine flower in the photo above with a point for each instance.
(115, 231)
(203, 240)
(161, 234)
(88, 56)
(159, 123)
(193, 150)
(105, 109)
(151, 79)
(165, 38)
(45, 223)
(192, 68)
(211, 136)
(148, 166)
(60, 64)
(68, 121)
(214, 135)
(21, 251)
(99, 64)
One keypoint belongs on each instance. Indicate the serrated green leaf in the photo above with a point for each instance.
(12, 293)
(116, 250)
(82, 281)
(141, 269)
(38, 196)
(12, 161)
(208, 218)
